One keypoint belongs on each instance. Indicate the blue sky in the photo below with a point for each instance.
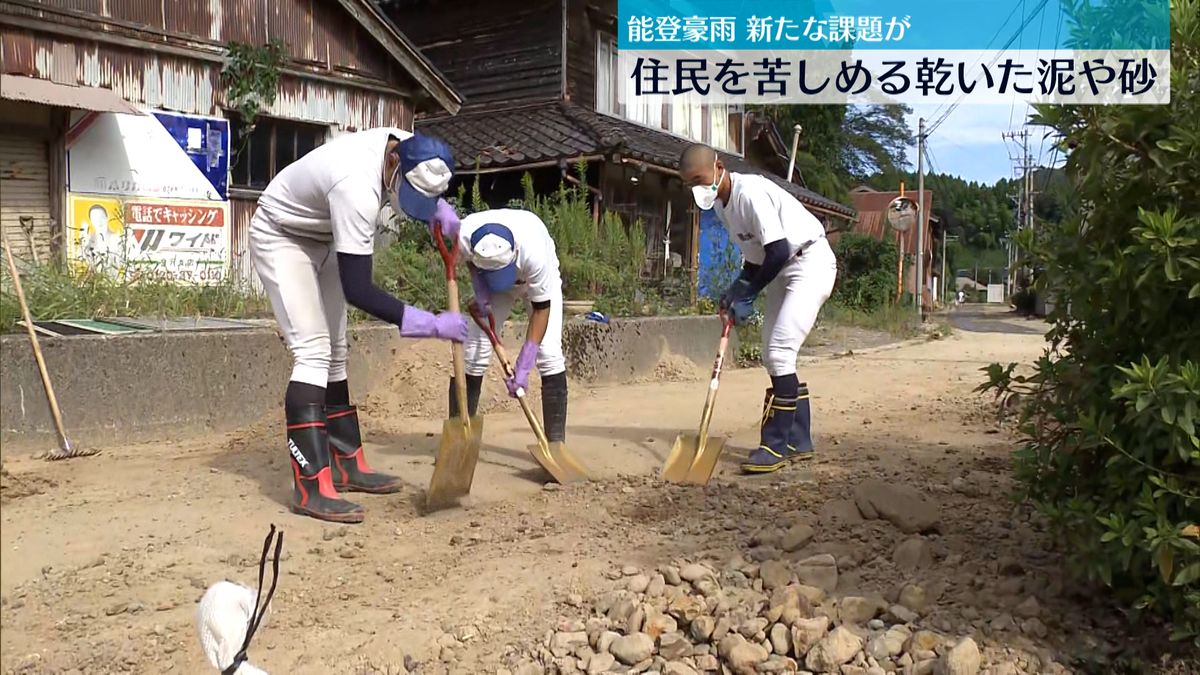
(969, 142)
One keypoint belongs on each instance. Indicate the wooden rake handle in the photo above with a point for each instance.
(63, 444)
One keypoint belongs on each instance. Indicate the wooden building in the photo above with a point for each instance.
(80, 75)
(540, 95)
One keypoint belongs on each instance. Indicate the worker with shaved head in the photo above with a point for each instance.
(784, 253)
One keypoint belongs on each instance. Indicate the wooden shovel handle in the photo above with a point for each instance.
(449, 258)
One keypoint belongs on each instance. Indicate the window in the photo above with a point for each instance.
(271, 146)
(717, 124)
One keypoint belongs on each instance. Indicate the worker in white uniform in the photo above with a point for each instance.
(311, 241)
(785, 253)
(512, 258)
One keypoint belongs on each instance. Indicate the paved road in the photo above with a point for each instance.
(974, 318)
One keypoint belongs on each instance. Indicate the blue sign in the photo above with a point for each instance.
(206, 142)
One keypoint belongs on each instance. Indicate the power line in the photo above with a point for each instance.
(989, 43)
(1024, 24)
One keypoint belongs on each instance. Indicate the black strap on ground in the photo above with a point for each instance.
(257, 616)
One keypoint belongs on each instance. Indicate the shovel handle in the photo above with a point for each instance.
(449, 255)
(489, 327)
(449, 258)
(711, 399)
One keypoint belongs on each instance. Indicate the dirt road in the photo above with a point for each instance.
(104, 558)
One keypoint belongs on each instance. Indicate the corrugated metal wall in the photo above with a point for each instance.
(321, 38)
(25, 195)
(240, 267)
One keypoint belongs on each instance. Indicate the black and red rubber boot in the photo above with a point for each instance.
(350, 469)
(313, 493)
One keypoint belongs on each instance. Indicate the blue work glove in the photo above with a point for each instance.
(418, 323)
(738, 301)
(447, 218)
(482, 302)
(521, 369)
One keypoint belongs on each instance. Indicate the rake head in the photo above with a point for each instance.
(68, 451)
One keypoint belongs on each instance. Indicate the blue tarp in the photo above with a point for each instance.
(719, 260)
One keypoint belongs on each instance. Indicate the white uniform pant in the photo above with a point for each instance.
(550, 359)
(794, 298)
(301, 278)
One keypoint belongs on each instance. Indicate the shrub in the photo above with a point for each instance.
(866, 272)
(1109, 446)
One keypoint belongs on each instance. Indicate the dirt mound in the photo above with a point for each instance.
(14, 486)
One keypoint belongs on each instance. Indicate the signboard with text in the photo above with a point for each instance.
(138, 238)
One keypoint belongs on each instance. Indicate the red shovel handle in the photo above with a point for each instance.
(489, 327)
(726, 324)
(449, 255)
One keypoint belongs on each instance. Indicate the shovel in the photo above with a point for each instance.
(553, 457)
(454, 468)
(693, 456)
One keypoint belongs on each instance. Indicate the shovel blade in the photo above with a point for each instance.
(573, 468)
(454, 468)
(679, 462)
(559, 462)
(706, 461)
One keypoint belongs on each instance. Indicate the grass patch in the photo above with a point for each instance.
(898, 321)
(55, 293)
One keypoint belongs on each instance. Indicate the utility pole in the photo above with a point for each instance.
(1024, 216)
(922, 217)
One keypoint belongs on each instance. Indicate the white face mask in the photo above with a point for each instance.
(706, 195)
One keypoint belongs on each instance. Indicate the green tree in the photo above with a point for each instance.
(1110, 450)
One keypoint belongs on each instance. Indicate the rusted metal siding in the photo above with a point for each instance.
(318, 34)
(241, 268)
(168, 82)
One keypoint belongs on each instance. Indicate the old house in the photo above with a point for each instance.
(117, 138)
(872, 206)
(540, 90)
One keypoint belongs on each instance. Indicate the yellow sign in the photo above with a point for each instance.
(183, 241)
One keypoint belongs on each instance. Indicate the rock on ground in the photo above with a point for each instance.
(833, 650)
(901, 505)
(962, 659)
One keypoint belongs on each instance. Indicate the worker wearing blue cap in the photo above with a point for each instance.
(311, 241)
(512, 257)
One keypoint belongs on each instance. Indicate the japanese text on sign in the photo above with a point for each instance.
(646, 30)
(908, 77)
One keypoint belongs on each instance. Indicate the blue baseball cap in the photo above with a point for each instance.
(494, 254)
(426, 167)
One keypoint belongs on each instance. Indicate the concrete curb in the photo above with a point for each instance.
(146, 387)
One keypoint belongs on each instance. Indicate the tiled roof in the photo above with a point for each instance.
(519, 136)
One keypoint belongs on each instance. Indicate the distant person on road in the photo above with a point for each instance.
(786, 254)
(311, 240)
(960, 298)
(512, 258)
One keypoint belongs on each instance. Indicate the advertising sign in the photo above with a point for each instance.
(140, 238)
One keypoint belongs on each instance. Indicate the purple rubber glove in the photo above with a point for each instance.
(483, 297)
(521, 370)
(445, 326)
(447, 218)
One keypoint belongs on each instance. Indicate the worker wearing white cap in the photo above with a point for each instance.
(512, 257)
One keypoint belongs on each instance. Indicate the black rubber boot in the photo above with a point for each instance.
(474, 387)
(350, 469)
(313, 493)
(800, 441)
(772, 452)
(554, 407)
